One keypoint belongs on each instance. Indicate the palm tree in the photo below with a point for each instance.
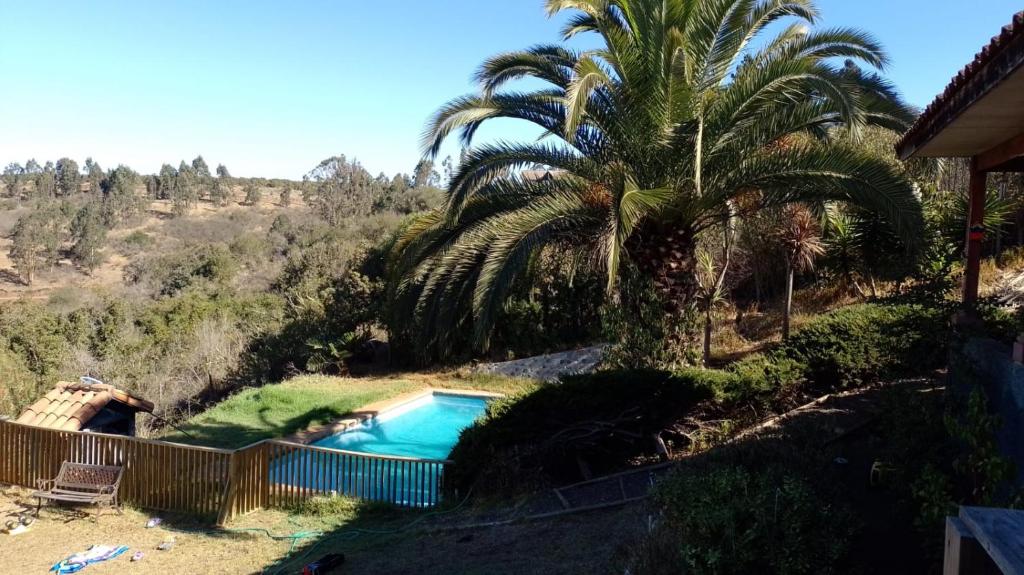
(653, 137)
(800, 237)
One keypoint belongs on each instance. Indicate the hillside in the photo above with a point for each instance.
(183, 287)
(158, 231)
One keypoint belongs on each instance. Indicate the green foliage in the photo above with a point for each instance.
(643, 335)
(731, 520)
(137, 242)
(121, 200)
(185, 192)
(36, 336)
(600, 420)
(89, 236)
(66, 177)
(253, 192)
(220, 193)
(166, 182)
(864, 343)
(45, 182)
(19, 386)
(981, 465)
(682, 112)
(36, 240)
(169, 274)
(609, 417)
(342, 189)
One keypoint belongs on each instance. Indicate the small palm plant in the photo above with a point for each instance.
(800, 237)
(710, 294)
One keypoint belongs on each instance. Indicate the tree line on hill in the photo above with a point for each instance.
(73, 208)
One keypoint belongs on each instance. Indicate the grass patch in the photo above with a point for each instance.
(285, 408)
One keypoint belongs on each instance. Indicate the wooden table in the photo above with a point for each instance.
(983, 541)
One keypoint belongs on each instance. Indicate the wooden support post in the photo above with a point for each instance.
(975, 234)
(964, 554)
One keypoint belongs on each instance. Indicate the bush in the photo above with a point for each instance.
(730, 520)
(865, 343)
(167, 275)
(595, 422)
(607, 420)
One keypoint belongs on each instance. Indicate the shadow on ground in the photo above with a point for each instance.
(218, 433)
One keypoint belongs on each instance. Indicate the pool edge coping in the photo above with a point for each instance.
(367, 412)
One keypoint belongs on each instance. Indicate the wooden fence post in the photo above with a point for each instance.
(230, 491)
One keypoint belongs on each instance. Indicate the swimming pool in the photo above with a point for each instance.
(405, 448)
(426, 428)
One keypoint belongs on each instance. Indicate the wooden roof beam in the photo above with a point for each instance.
(1002, 157)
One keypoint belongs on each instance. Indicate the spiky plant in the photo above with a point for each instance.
(800, 236)
(651, 138)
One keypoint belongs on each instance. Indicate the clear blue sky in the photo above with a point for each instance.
(270, 88)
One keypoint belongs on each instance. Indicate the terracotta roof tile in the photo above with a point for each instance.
(69, 406)
(1009, 33)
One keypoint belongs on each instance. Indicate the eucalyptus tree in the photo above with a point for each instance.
(13, 174)
(46, 182)
(204, 179)
(67, 177)
(121, 198)
(686, 113)
(36, 239)
(199, 165)
(185, 193)
(341, 189)
(166, 180)
(89, 234)
(93, 174)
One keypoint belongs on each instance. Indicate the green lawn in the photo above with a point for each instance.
(282, 409)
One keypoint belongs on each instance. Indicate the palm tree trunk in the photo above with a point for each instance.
(789, 300)
(667, 256)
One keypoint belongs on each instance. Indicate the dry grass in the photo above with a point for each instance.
(60, 533)
(1011, 263)
(739, 333)
(388, 544)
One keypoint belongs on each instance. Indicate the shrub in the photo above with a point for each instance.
(19, 387)
(169, 274)
(730, 520)
(595, 422)
(610, 417)
(135, 243)
(864, 343)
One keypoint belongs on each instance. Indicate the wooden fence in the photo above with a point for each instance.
(219, 482)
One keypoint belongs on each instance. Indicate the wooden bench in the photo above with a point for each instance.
(82, 484)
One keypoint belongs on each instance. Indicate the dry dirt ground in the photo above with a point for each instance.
(582, 543)
(60, 533)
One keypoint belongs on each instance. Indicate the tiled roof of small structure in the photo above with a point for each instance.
(69, 406)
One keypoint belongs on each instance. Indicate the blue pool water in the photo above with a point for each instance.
(425, 429)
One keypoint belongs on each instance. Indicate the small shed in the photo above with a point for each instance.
(86, 406)
(980, 115)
